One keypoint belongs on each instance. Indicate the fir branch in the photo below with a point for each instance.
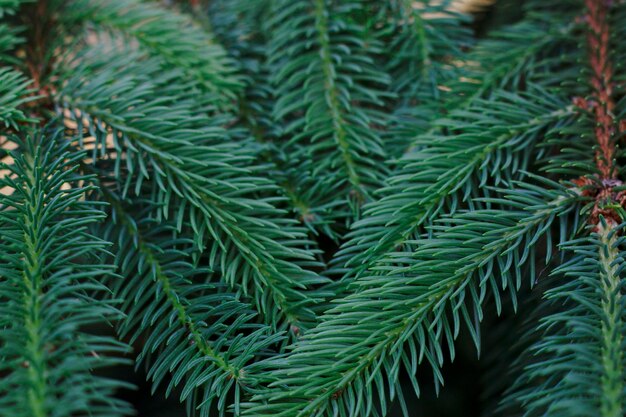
(364, 335)
(199, 178)
(577, 366)
(506, 60)
(201, 151)
(450, 169)
(14, 93)
(167, 34)
(613, 371)
(333, 125)
(52, 270)
(512, 57)
(332, 95)
(241, 28)
(184, 319)
(425, 50)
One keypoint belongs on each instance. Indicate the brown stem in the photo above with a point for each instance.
(602, 106)
(602, 85)
(35, 19)
(39, 21)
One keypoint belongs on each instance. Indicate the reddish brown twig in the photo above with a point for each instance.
(602, 85)
(601, 105)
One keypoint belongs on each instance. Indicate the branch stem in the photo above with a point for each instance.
(601, 81)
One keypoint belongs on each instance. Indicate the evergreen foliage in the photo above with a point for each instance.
(52, 288)
(297, 207)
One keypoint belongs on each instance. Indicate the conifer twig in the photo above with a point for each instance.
(602, 84)
(602, 106)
